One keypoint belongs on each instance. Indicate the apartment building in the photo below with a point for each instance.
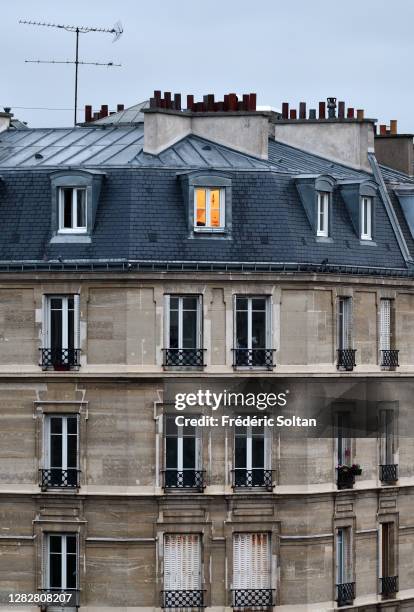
(163, 251)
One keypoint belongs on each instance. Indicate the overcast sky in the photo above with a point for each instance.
(359, 51)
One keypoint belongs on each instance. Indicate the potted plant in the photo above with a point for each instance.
(356, 469)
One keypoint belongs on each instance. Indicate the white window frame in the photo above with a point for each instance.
(387, 436)
(48, 439)
(366, 215)
(252, 568)
(179, 437)
(47, 328)
(343, 555)
(199, 334)
(75, 229)
(345, 322)
(268, 320)
(46, 577)
(385, 324)
(184, 572)
(222, 198)
(249, 449)
(322, 229)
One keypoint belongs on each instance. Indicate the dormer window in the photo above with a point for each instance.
(366, 218)
(209, 213)
(207, 199)
(72, 210)
(323, 214)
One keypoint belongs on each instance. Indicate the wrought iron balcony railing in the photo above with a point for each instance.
(253, 358)
(257, 477)
(389, 358)
(188, 358)
(58, 478)
(253, 598)
(345, 593)
(345, 477)
(388, 585)
(184, 479)
(183, 599)
(59, 598)
(60, 359)
(389, 473)
(346, 359)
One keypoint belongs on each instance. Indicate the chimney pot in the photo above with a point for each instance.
(88, 113)
(121, 107)
(177, 101)
(96, 115)
(233, 102)
(104, 110)
(302, 110)
(312, 113)
(321, 110)
(167, 98)
(190, 103)
(252, 101)
(360, 114)
(285, 110)
(341, 110)
(383, 130)
(350, 113)
(393, 126)
(293, 114)
(245, 102)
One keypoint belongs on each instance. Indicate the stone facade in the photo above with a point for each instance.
(122, 391)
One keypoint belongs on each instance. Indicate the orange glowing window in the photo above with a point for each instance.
(209, 207)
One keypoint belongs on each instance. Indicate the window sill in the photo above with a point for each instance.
(71, 238)
(325, 239)
(367, 242)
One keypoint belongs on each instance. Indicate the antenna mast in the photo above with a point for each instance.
(117, 31)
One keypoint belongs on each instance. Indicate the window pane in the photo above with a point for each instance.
(55, 544)
(174, 329)
(258, 329)
(67, 208)
(171, 455)
(170, 426)
(190, 303)
(241, 329)
(173, 303)
(189, 453)
(241, 303)
(56, 425)
(258, 303)
(72, 425)
(55, 571)
(72, 451)
(71, 329)
(56, 451)
(215, 208)
(71, 544)
(71, 571)
(240, 452)
(81, 207)
(200, 195)
(56, 329)
(189, 329)
(257, 452)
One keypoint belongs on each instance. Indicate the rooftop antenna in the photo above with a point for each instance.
(116, 30)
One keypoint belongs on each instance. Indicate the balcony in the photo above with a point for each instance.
(183, 599)
(345, 594)
(184, 479)
(60, 359)
(389, 359)
(255, 478)
(61, 598)
(346, 359)
(253, 358)
(388, 473)
(56, 478)
(253, 598)
(388, 585)
(184, 358)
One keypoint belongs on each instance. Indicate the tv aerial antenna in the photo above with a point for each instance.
(116, 31)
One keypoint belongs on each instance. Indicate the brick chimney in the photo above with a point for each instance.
(331, 131)
(393, 149)
(233, 122)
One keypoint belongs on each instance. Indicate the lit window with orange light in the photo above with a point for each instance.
(209, 208)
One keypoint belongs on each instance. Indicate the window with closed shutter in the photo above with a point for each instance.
(251, 561)
(182, 562)
(345, 323)
(387, 437)
(385, 325)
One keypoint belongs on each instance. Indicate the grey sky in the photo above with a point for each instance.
(359, 51)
